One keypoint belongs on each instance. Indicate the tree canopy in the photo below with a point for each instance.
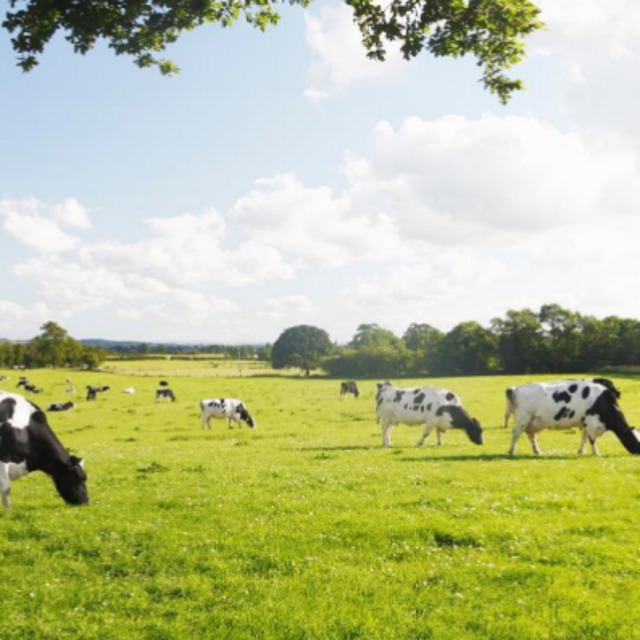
(490, 30)
(302, 347)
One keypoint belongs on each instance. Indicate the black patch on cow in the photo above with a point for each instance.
(7, 409)
(561, 396)
(420, 396)
(586, 391)
(429, 406)
(562, 414)
(573, 388)
(406, 406)
(379, 402)
(422, 408)
(398, 396)
(607, 410)
(450, 396)
(605, 382)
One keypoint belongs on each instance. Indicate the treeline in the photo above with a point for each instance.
(54, 347)
(142, 350)
(551, 340)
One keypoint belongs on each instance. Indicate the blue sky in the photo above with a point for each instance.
(281, 178)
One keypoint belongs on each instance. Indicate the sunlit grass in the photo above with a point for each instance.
(307, 528)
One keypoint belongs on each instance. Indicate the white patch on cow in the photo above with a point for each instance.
(17, 470)
(22, 412)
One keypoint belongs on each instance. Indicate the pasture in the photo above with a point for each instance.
(307, 529)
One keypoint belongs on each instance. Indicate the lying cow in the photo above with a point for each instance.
(226, 408)
(31, 388)
(28, 444)
(165, 394)
(129, 390)
(434, 408)
(349, 387)
(510, 408)
(587, 404)
(61, 406)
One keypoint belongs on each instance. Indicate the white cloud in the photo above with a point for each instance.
(71, 213)
(314, 226)
(23, 220)
(338, 57)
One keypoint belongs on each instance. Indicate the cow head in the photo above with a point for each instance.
(460, 419)
(246, 416)
(608, 414)
(71, 482)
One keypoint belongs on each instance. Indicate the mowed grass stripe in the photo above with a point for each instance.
(307, 528)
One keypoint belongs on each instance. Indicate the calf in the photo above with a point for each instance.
(428, 406)
(61, 406)
(510, 408)
(226, 408)
(587, 404)
(28, 444)
(165, 394)
(349, 387)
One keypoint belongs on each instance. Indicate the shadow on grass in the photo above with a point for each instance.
(491, 457)
(347, 447)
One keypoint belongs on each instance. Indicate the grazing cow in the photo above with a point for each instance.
(31, 388)
(510, 408)
(587, 404)
(165, 394)
(429, 406)
(92, 393)
(349, 387)
(61, 406)
(225, 408)
(129, 390)
(28, 444)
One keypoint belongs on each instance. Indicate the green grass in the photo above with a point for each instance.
(306, 528)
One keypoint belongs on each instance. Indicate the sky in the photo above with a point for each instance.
(282, 178)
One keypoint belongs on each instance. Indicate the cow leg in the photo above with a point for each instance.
(439, 437)
(583, 441)
(5, 484)
(507, 415)
(594, 447)
(517, 432)
(425, 434)
(386, 434)
(534, 443)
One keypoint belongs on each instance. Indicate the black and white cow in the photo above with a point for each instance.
(231, 409)
(510, 408)
(165, 394)
(349, 387)
(28, 444)
(431, 407)
(586, 404)
(92, 392)
(22, 381)
(31, 388)
(61, 406)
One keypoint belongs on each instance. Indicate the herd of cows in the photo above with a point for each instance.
(27, 442)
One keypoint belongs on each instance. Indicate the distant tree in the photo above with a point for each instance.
(521, 342)
(302, 347)
(490, 30)
(561, 328)
(264, 353)
(373, 336)
(468, 349)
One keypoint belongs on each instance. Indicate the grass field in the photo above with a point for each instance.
(306, 528)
